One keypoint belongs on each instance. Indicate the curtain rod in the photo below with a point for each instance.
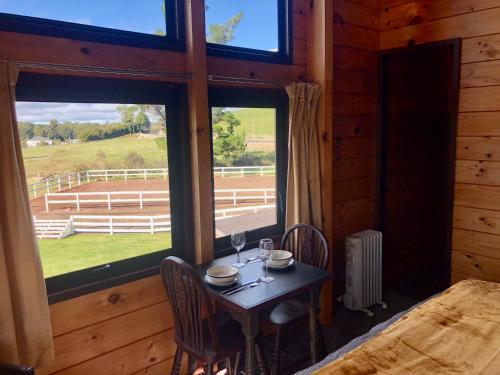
(93, 69)
(254, 81)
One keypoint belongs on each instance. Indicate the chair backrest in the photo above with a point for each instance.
(190, 303)
(307, 244)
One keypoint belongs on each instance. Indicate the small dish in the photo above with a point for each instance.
(287, 265)
(222, 274)
(280, 258)
(217, 282)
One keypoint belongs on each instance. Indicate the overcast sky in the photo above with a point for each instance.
(77, 112)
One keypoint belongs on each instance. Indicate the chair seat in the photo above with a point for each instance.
(287, 312)
(231, 340)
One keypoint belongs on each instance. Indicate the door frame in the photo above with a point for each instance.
(456, 44)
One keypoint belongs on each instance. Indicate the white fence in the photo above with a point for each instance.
(58, 183)
(141, 197)
(120, 224)
(113, 224)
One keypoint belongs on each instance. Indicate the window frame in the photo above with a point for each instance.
(284, 55)
(51, 88)
(255, 98)
(173, 40)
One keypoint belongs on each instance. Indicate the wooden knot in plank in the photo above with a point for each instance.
(114, 298)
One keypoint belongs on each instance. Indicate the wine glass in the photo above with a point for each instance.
(266, 245)
(238, 241)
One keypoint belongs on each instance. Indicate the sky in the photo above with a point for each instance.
(257, 29)
(42, 113)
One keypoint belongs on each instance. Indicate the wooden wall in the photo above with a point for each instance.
(128, 329)
(476, 224)
(356, 39)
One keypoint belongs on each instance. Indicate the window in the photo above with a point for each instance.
(253, 30)
(249, 155)
(107, 165)
(149, 23)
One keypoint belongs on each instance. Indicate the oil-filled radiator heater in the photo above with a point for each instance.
(363, 252)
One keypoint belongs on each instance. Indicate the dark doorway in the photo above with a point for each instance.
(418, 108)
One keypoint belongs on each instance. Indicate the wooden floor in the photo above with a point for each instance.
(346, 326)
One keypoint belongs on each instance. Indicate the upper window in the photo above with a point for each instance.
(106, 166)
(254, 30)
(249, 153)
(149, 23)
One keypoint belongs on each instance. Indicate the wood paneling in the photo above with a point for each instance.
(417, 12)
(478, 148)
(355, 85)
(478, 266)
(479, 196)
(477, 189)
(485, 47)
(475, 219)
(351, 13)
(477, 243)
(478, 172)
(484, 73)
(479, 124)
(467, 25)
(106, 304)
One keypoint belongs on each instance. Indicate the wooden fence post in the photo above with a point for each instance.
(46, 203)
(109, 201)
(77, 202)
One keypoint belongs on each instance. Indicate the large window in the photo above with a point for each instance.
(149, 23)
(107, 164)
(254, 30)
(249, 154)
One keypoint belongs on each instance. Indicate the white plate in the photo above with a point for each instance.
(270, 265)
(216, 282)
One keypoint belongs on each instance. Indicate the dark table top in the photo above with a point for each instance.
(287, 283)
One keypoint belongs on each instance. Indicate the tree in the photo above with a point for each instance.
(142, 121)
(128, 116)
(156, 110)
(220, 33)
(53, 131)
(26, 130)
(227, 145)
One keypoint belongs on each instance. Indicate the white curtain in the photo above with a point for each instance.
(303, 203)
(25, 329)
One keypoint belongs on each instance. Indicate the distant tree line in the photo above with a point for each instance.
(134, 119)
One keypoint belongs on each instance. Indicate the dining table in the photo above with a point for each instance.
(249, 305)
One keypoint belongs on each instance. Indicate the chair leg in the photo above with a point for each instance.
(260, 360)
(176, 366)
(237, 362)
(210, 368)
(229, 369)
(322, 341)
(275, 356)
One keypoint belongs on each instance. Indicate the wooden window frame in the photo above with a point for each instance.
(256, 98)
(284, 55)
(173, 40)
(52, 88)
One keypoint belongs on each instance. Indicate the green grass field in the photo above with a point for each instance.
(88, 250)
(64, 158)
(60, 159)
(256, 122)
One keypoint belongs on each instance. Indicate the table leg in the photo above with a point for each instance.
(250, 328)
(313, 329)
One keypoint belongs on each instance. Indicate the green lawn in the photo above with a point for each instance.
(60, 159)
(87, 250)
(256, 122)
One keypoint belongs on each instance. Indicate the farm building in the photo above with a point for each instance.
(37, 141)
(242, 187)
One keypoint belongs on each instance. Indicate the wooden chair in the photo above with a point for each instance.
(197, 331)
(309, 246)
(7, 369)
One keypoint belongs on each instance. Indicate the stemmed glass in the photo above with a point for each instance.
(238, 241)
(266, 245)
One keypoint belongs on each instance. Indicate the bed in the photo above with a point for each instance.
(455, 332)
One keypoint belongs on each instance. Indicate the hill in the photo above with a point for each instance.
(256, 122)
